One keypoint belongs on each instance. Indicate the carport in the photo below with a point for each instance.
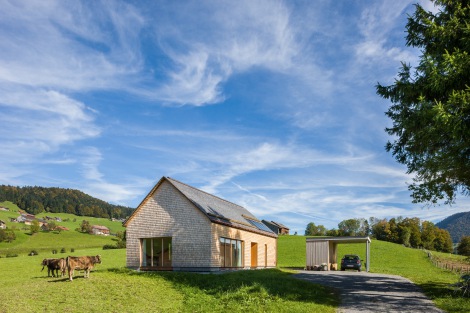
(323, 250)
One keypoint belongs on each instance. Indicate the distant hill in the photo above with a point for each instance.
(458, 225)
(36, 200)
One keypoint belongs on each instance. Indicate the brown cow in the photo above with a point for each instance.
(85, 263)
(54, 265)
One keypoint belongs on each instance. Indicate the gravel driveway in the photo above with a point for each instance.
(368, 292)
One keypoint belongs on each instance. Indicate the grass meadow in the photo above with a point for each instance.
(114, 288)
(389, 258)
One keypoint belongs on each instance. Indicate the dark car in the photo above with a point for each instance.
(351, 261)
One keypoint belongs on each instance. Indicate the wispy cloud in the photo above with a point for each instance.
(233, 38)
(90, 159)
(36, 123)
(56, 48)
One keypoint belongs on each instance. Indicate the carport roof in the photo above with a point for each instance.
(341, 239)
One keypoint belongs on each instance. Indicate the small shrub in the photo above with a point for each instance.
(72, 250)
(33, 252)
(109, 247)
(54, 251)
(62, 250)
(11, 255)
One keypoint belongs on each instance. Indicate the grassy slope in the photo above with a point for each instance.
(388, 258)
(48, 241)
(115, 288)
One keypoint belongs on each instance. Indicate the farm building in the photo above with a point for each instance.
(276, 227)
(323, 250)
(99, 230)
(181, 228)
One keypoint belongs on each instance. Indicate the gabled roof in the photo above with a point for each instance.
(100, 227)
(218, 210)
(279, 225)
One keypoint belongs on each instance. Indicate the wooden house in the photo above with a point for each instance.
(178, 227)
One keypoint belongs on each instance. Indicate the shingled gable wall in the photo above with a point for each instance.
(195, 239)
(167, 213)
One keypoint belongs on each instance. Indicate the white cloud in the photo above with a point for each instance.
(48, 117)
(66, 45)
(97, 185)
(234, 38)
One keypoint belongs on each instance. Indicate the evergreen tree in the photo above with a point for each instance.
(430, 107)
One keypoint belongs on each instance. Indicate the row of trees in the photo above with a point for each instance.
(36, 200)
(411, 232)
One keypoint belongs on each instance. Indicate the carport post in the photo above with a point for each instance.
(367, 255)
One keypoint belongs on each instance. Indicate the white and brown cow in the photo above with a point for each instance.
(85, 263)
(54, 265)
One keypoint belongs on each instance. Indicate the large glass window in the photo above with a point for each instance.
(231, 252)
(156, 252)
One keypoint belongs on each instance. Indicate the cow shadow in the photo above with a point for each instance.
(62, 279)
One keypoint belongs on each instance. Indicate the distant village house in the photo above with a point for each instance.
(99, 230)
(28, 219)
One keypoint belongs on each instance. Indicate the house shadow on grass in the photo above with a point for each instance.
(249, 288)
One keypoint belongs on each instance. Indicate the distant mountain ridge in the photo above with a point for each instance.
(36, 200)
(458, 225)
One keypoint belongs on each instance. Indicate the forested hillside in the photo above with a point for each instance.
(458, 225)
(36, 200)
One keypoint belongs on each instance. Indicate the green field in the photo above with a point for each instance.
(113, 288)
(54, 240)
(388, 258)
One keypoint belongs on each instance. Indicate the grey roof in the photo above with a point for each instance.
(221, 211)
(279, 225)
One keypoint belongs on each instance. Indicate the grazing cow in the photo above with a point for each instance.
(85, 263)
(54, 265)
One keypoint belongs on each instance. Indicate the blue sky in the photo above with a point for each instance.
(268, 104)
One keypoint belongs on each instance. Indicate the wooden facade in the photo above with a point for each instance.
(178, 227)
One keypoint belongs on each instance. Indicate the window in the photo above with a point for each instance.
(231, 252)
(156, 252)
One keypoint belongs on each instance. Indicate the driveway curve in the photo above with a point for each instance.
(370, 292)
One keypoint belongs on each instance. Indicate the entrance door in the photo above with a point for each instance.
(254, 254)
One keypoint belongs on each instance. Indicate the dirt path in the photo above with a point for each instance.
(367, 292)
